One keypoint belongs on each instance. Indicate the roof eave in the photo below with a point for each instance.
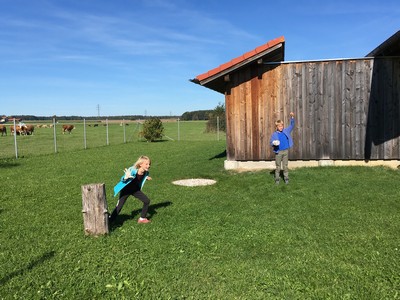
(216, 81)
(241, 64)
(390, 47)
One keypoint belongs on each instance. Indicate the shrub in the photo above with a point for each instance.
(153, 129)
(217, 114)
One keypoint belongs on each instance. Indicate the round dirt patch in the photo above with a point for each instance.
(194, 182)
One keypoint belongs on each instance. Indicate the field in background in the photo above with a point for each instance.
(332, 233)
(43, 142)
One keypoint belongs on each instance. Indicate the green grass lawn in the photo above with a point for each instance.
(332, 233)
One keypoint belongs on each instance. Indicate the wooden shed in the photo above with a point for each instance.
(346, 109)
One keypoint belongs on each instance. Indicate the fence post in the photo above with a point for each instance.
(123, 122)
(94, 209)
(218, 128)
(107, 130)
(179, 135)
(15, 140)
(84, 133)
(55, 137)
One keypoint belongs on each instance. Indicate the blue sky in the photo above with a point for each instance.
(135, 57)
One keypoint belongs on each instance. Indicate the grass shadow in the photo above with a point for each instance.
(30, 266)
(155, 141)
(160, 141)
(152, 209)
(121, 219)
(220, 155)
(8, 164)
(272, 173)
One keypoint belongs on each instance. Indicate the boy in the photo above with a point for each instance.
(281, 141)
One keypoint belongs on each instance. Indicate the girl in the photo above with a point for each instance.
(131, 184)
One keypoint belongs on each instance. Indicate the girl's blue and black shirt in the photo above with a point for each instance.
(136, 181)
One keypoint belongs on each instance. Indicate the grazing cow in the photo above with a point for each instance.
(19, 130)
(67, 128)
(29, 129)
(3, 130)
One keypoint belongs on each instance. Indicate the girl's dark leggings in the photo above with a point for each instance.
(121, 201)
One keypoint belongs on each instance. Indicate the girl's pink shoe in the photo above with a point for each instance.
(143, 221)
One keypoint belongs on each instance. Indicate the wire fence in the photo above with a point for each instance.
(56, 137)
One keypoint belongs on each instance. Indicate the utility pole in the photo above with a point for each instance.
(98, 110)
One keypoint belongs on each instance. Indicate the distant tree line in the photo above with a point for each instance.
(69, 118)
(196, 115)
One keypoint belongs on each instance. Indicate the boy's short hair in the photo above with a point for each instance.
(278, 122)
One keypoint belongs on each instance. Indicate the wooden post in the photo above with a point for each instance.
(95, 210)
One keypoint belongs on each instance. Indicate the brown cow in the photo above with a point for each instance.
(67, 128)
(3, 130)
(29, 129)
(20, 130)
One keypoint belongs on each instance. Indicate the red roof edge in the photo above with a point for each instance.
(241, 58)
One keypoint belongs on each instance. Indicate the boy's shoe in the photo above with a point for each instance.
(287, 180)
(276, 181)
(143, 221)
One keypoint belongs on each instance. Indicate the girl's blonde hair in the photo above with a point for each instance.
(140, 160)
(278, 122)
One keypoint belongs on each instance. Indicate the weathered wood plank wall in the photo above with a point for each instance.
(345, 109)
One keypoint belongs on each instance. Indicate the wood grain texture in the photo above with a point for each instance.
(345, 109)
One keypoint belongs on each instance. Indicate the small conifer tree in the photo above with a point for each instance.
(153, 129)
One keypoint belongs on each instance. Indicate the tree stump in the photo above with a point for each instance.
(95, 210)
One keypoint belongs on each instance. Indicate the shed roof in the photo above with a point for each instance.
(390, 47)
(272, 51)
